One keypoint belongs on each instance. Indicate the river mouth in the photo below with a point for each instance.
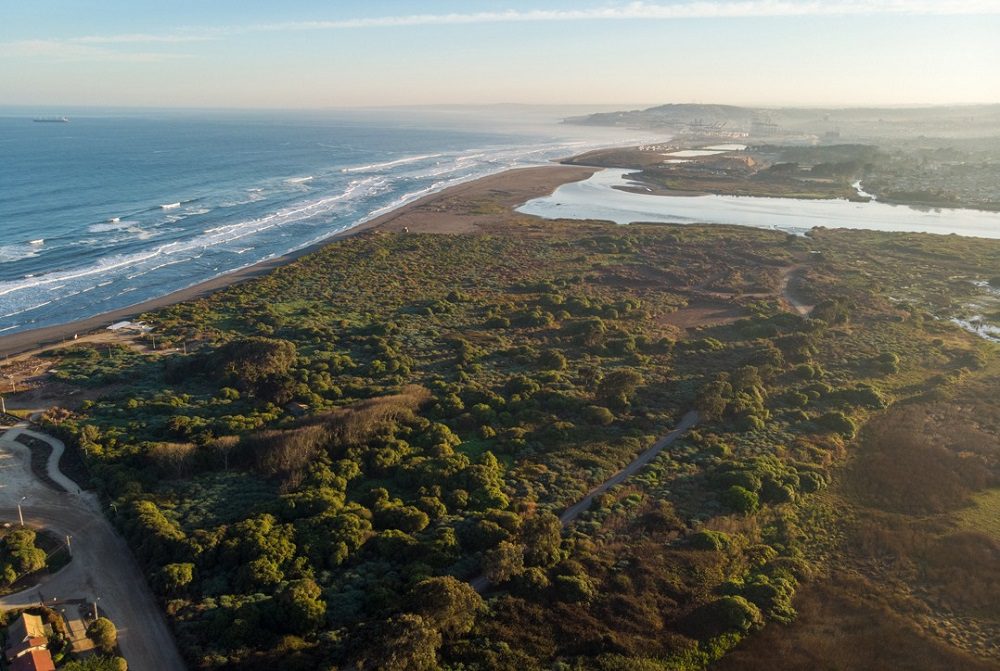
(601, 197)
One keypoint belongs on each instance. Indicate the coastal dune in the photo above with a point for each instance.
(443, 212)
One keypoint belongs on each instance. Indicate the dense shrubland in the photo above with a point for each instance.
(350, 439)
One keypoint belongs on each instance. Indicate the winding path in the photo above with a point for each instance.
(55, 454)
(103, 566)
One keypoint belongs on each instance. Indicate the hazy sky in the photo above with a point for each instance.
(313, 53)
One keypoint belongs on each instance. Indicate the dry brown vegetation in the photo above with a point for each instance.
(286, 454)
(351, 425)
(912, 589)
(845, 624)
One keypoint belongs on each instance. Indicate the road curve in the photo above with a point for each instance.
(52, 466)
(103, 566)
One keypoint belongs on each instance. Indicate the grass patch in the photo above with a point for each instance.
(983, 515)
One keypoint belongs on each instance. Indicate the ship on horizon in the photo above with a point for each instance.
(51, 119)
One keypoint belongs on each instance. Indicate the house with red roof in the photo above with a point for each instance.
(35, 660)
(28, 647)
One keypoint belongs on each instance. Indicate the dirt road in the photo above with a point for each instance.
(102, 566)
(481, 583)
(571, 513)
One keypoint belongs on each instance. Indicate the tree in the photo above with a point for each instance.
(405, 642)
(20, 552)
(740, 500)
(552, 359)
(542, 535)
(103, 633)
(598, 414)
(725, 615)
(713, 399)
(503, 562)
(172, 458)
(250, 361)
(300, 609)
(96, 663)
(574, 588)
(173, 578)
(448, 604)
(618, 386)
(591, 333)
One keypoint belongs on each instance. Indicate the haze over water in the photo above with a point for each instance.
(107, 211)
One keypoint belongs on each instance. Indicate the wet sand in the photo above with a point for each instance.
(451, 211)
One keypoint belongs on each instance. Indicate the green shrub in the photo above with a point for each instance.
(600, 415)
(710, 540)
(740, 500)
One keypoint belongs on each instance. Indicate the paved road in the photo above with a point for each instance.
(102, 566)
(481, 583)
(52, 466)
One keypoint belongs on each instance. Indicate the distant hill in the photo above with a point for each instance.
(856, 122)
(668, 115)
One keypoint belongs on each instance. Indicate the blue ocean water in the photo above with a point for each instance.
(112, 209)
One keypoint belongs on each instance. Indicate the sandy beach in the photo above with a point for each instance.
(448, 212)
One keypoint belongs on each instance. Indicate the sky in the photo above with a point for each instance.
(353, 53)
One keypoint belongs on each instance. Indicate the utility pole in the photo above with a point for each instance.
(95, 607)
(20, 515)
(3, 405)
(69, 547)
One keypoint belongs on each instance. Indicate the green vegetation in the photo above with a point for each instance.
(19, 555)
(103, 633)
(351, 439)
(97, 663)
(24, 552)
(934, 172)
(984, 513)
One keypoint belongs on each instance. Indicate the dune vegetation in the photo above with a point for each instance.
(324, 458)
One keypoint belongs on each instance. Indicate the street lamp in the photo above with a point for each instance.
(95, 607)
(20, 515)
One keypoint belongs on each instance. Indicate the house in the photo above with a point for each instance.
(28, 646)
(19, 648)
(25, 627)
(36, 660)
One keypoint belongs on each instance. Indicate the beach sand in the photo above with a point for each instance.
(464, 208)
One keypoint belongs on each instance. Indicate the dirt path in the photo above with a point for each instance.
(574, 511)
(103, 566)
(481, 583)
(801, 308)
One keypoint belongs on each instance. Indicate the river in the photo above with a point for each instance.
(597, 198)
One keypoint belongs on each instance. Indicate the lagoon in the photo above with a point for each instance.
(600, 197)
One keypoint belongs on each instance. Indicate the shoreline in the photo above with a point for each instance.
(515, 184)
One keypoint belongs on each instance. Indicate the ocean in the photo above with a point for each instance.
(112, 209)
